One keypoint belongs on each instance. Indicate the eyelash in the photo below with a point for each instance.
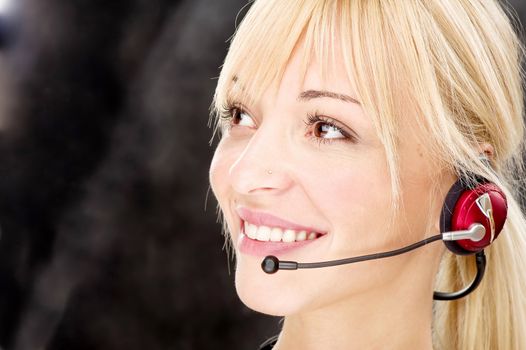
(226, 114)
(230, 110)
(311, 121)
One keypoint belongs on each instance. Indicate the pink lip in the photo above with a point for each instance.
(264, 219)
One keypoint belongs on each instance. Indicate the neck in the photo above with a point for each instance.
(383, 319)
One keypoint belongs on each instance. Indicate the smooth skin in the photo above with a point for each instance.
(333, 177)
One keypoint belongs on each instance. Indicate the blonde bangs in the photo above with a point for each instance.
(265, 41)
(260, 50)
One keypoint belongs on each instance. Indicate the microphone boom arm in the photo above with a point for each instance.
(292, 265)
(271, 264)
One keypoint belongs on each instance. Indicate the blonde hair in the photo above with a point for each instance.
(457, 63)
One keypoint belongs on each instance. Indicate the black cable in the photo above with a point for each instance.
(372, 256)
(480, 260)
(270, 265)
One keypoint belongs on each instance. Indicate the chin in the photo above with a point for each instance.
(288, 293)
(274, 295)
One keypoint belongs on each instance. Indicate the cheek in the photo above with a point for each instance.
(216, 172)
(224, 156)
(218, 175)
(356, 201)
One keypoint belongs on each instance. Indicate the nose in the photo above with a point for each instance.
(262, 167)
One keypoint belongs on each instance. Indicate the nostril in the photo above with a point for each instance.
(250, 176)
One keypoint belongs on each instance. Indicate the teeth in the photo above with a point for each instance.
(289, 236)
(275, 234)
(263, 233)
(301, 236)
(251, 230)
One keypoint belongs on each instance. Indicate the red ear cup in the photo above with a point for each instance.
(461, 210)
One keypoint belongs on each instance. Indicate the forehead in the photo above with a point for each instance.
(305, 74)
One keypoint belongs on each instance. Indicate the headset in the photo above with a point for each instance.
(472, 217)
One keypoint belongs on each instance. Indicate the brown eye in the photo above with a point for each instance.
(242, 118)
(327, 130)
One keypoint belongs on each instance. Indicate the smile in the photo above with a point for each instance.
(262, 241)
(277, 234)
(266, 227)
(263, 234)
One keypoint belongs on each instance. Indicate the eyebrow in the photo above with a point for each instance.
(312, 94)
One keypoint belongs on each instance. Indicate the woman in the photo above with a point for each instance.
(344, 125)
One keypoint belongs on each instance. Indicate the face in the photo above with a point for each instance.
(302, 175)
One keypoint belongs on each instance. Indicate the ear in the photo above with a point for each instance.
(487, 150)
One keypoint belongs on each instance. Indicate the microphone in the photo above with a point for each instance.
(475, 233)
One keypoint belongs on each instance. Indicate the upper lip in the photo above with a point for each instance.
(269, 220)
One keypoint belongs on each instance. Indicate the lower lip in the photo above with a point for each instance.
(247, 245)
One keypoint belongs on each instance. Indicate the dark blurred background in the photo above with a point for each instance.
(107, 240)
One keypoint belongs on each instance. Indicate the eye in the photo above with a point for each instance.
(325, 129)
(241, 118)
(232, 115)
